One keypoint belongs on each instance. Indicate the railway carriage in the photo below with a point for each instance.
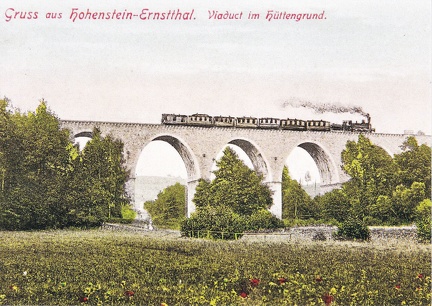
(293, 124)
(200, 119)
(224, 121)
(318, 125)
(269, 123)
(174, 119)
(247, 122)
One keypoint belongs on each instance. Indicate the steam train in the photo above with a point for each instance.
(205, 120)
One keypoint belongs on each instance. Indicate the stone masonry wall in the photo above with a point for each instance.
(408, 233)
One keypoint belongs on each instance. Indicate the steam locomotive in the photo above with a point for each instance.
(205, 120)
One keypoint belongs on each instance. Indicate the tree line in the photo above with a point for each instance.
(382, 190)
(47, 182)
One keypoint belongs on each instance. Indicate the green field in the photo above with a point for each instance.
(144, 268)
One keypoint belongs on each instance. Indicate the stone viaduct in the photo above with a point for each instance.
(267, 149)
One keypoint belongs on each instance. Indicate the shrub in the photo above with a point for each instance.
(214, 222)
(128, 213)
(309, 222)
(263, 219)
(168, 210)
(424, 231)
(423, 223)
(352, 229)
(120, 220)
(319, 236)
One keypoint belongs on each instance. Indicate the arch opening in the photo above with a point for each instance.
(240, 153)
(319, 164)
(82, 138)
(303, 168)
(253, 153)
(163, 162)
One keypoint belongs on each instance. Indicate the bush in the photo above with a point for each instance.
(128, 213)
(424, 231)
(263, 219)
(120, 220)
(214, 222)
(319, 236)
(352, 229)
(423, 223)
(309, 222)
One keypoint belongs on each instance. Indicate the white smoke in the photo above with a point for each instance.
(324, 107)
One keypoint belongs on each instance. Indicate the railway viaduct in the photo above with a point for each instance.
(267, 149)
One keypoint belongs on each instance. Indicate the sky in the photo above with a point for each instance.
(370, 54)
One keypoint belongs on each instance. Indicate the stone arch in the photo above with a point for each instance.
(255, 155)
(84, 134)
(191, 164)
(386, 149)
(185, 152)
(326, 165)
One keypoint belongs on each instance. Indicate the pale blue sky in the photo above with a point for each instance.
(374, 54)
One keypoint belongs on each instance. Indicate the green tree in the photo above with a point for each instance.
(423, 220)
(11, 155)
(98, 182)
(216, 222)
(235, 201)
(35, 180)
(372, 174)
(414, 164)
(168, 210)
(333, 205)
(46, 182)
(235, 186)
(405, 200)
(383, 210)
(296, 203)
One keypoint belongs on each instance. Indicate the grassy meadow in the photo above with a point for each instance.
(160, 268)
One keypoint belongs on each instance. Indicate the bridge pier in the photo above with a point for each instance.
(191, 188)
(130, 191)
(276, 208)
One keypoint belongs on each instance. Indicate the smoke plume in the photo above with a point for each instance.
(325, 107)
